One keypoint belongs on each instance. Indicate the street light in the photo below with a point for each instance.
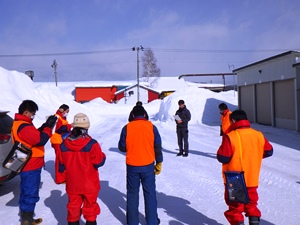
(137, 49)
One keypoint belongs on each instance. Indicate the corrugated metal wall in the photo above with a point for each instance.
(269, 91)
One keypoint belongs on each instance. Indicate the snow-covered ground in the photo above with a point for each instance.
(189, 190)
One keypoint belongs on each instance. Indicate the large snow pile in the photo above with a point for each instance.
(201, 103)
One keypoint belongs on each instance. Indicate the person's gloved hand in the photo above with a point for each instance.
(157, 168)
(50, 122)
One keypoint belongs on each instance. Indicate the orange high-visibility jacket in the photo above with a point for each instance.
(37, 151)
(140, 143)
(225, 121)
(252, 151)
(56, 137)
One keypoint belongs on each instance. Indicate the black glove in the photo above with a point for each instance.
(50, 122)
(42, 127)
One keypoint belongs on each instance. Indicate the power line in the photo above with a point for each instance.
(66, 53)
(156, 49)
(220, 50)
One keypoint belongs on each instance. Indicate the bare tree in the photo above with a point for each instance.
(151, 72)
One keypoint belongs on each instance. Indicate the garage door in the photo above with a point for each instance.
(263, 104)
(284, 102)
(246, 97)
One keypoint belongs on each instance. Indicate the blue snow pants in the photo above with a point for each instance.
(146, 176)
(29, 189)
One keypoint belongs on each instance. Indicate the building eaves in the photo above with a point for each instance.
(266, 60)
(296, 64)
(205, 74)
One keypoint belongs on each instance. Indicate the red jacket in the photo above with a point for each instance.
(25, 132)
(81, 159)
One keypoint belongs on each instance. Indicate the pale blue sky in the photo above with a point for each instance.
(186, 36)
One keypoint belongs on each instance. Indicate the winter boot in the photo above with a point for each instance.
(91, 223)
(180, 153)
(73, 223)
(185, 154)
(254, 220)
(27, 219)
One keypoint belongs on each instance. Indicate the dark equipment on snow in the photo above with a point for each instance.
(17, 157)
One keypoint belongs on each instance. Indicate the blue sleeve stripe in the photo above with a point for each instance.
(157, 145)
(89, 145)
(268, 153)
(100, 164)
(63, 148)
(62, 129)
(223, 159)
(23, 125)
(43, 139)
(122, 141)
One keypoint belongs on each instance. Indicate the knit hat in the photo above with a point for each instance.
(81, 120)
(138, 110)
(139, 103)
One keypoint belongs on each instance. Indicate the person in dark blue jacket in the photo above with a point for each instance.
(182, 128)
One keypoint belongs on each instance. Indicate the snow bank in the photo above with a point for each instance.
(202, 103)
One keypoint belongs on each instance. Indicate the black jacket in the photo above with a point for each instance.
(185, 117)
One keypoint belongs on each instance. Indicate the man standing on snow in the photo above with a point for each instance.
(182, 128)
(141, 141)
(253, 147)
(81, 156)
(25, 132)
(225, 120)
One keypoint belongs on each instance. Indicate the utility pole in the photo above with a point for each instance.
(54, 66)
(137, 49)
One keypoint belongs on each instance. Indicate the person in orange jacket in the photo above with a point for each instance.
(80, 157)
(141, 141)
(254, 147)
(62, 129)
(225, 120)
(25, 132)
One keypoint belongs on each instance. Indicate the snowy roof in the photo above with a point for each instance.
(103, 83)
(169, 84)
(163, 84)
(132, 86)
(203, 85)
